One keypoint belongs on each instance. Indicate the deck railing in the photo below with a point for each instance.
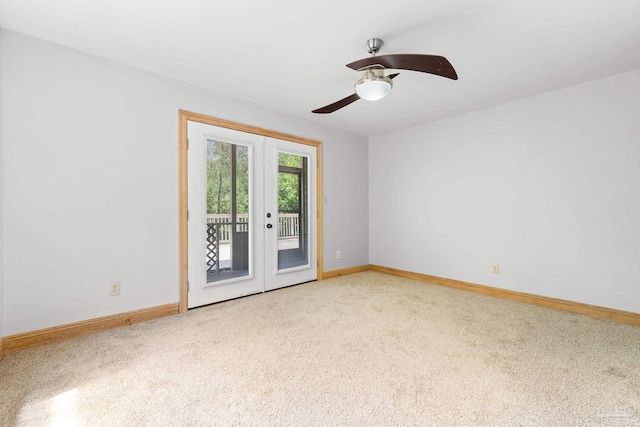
(288, 225)
(223, 229)
(219, 231)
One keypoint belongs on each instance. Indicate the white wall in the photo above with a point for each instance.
(1, 201)
(548, 187)
(91, 191)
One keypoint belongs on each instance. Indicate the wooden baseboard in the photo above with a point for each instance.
(344, 271)
(3, 349)
(58, 333)
(542, 301)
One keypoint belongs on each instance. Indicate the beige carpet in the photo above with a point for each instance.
(366, 349)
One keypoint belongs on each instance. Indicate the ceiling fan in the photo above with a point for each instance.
(374, 85)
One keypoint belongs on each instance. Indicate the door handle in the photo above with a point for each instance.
(269, 226)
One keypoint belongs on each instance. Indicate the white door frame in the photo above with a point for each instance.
(183, 118)
(274, 277)
(201, 291)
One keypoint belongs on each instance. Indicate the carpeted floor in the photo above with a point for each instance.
(366, 349)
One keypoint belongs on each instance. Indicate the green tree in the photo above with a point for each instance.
(288, 192)
(219, 178)
(289, 184)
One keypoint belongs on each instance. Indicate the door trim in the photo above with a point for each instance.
(183, 117)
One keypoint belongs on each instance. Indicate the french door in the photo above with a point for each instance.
(251, 213)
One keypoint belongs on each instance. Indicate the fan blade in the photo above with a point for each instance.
(343, 102)
(337, 105)
(432, 64)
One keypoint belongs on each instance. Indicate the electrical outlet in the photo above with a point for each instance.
(495, 268)
(114, 288)
(338, 254)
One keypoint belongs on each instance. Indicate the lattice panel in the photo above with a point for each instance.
(212, 249)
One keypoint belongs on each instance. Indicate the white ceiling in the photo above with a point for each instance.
(290, 55)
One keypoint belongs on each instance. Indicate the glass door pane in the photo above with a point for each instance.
(227, 201)
(293, 211)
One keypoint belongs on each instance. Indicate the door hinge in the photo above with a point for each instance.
(187, 143)
(188, 286)
(187, 215)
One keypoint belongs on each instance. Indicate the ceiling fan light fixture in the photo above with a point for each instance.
(373, 87)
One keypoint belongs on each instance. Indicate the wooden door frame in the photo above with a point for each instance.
(183, 167)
